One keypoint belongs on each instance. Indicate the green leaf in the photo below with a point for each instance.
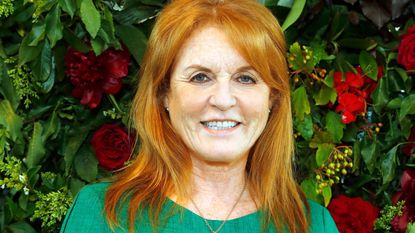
(356, 43)
(334, 125)
(6, 88)
(395, 103)
(43, 65)
(369, 151)
(305, 127)
(47, 85)
(86, 164)
(20, 227)
(327, 195)
(74, 41)
(301, 104)
(36, 150)
(410, 228)
(309, 187)
(407, 106)
(54, 26)
(10, 120)
(401, 73)
(90, 17)
(51, 127)
(134, 39)
(380, 96)
(98, 45)
(37, 34)
(294, 14)
(28, 53)
(69, 6)
(76, 185)
(325, 95)
(323, 152)
(368, 64)
(23, 200)
(71, 146)
(388, 165)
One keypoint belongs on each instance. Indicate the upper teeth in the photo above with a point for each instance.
(220, 124)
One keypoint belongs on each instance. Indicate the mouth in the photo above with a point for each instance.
(220, 125)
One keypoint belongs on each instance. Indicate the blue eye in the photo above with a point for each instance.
(246, 79)
(200, 78)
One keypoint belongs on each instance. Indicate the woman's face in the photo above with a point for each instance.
(217, 103)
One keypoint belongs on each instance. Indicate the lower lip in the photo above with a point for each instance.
(220, 132)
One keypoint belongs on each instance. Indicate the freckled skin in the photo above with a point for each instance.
(212, 81)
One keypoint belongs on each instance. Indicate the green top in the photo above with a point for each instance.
(86, 216)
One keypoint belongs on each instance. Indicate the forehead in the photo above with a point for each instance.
(209, 46)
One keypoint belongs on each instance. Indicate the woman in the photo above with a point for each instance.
(213, 115)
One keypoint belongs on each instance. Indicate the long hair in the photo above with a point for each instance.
(162, 165)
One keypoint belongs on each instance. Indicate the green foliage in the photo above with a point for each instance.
(382, 223)
(6, 8)
(51, 209)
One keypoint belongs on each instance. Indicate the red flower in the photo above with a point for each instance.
(92, 76)
(350, 105)
(409, 149)
(353, 215)
(112, 146)
(406, 50)
(399, 223)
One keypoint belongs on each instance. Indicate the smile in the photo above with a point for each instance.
(220, 125)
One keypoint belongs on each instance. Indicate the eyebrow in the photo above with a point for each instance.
(205, 69)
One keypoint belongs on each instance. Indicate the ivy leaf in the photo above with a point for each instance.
(36, 150)
(54, 26)
(368, 65)
(334, 125)
(69, 6)
(407, 106)
(305, 127)
(86, 164)
(388, 165)
(10, 120)
(325, 95)
(323, 152)
(134, 39)
(90, 17)
(43, 65)
(301, 104)
(294, 14)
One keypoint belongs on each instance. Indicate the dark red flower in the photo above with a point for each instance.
(353, 215)
(112, 146)
(409, 149)
(406, 50)
(399, 223)
(94, 75)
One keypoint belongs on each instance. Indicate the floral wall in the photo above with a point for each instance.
(68, 71)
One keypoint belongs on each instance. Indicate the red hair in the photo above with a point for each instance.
(162, 165)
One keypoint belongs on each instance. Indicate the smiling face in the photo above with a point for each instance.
(218, 104)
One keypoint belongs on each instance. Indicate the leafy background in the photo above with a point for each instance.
(45, 133)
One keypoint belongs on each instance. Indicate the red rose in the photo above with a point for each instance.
(350, 105)
(399, 223)
(353, 215)
(406, 50)
(92, 76)
(112, 146)
(409, 149)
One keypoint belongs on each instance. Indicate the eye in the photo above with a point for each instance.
(246, 79)
(200, 78)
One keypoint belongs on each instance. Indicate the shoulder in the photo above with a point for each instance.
(321, 220)
(87, 210)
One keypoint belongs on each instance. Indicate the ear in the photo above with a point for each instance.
(166, 102)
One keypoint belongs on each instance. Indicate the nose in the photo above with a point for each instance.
(222, 96)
